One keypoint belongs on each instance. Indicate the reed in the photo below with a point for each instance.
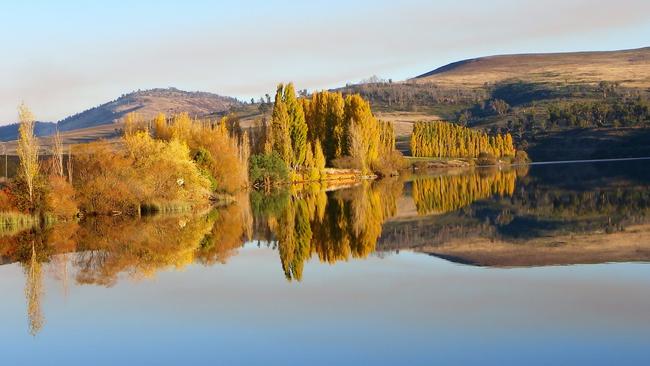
(14, 222)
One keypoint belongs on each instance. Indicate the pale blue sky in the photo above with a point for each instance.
(62, 57)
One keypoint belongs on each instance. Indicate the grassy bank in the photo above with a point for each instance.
(14, 222)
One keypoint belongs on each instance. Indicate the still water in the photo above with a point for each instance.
(540, 265)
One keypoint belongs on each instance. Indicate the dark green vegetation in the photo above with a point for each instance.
(267, 168)
(539, 99)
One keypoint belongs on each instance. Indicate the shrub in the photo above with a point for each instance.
(215, 149)
(21, 196)
(485, 158)
(347, 162)
(105, 180)
(389, 164)
(60, 198)
(165, 171)
(268, 169)
(521, 157)
(6, 200)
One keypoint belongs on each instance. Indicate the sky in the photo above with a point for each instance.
(62, 57)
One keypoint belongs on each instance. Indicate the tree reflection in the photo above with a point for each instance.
(335, 226)
(446, 193)
(231, 226)
(34, 292)
(108, 246)
(102, 248)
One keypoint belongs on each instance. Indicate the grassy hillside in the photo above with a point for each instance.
(629, 68)
(148, 103)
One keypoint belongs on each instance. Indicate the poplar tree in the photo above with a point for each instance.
(57, 153)
(297, 126)
(361, 125)
(27, 150)
(319, 159)
(441, 139)
(280, 129)
(335, 126)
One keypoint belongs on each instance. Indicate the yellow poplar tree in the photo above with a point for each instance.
(27, 149)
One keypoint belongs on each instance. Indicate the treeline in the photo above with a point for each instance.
(447, 140)
(616, 113)
(413, 96)
(444, 194)
(326, 129)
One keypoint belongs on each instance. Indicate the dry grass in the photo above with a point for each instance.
(110, 133)
(148, 104)
(403, 121)
(630, 67)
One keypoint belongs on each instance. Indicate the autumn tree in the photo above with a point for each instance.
(160, 124)
(27, 150)
(343, 127)
(442, 139)
(280, 130)
(57, 153)
(297, 126)
(319, 159)
(363, 131)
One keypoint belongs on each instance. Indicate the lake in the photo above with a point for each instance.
(530, 265)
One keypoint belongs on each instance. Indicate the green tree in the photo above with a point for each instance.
(280, 129)
(297, 126)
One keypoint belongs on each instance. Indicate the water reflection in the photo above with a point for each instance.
(445, 193)
(335, 226)
(492, 217)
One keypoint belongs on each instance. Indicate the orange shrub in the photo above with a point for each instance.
(60, 198)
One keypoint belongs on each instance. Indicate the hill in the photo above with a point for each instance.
(148, 103)
(10, 132)
(629, 68)
(543, 100)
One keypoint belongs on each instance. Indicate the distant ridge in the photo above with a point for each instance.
(627, 67)
(10, 132)
(148, 103)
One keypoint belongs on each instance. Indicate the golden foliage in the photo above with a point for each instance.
(27, 151)
(60, 198)
(446, 140)
(149, 171)
(34, 293)
(227, 160)
(105, 180)
(110, 246)
(57, 153)
(335, 228)
(166, 172)
(344, 127)
(448, 193)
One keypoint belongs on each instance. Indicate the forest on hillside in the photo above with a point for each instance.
(535, 114)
